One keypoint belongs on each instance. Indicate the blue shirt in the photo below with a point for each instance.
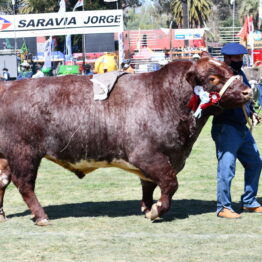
(236, 115)
(25, 74)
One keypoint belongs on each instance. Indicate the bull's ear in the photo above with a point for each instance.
(205, 54)
(191, 78)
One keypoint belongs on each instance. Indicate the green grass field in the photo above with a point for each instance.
(98, 218)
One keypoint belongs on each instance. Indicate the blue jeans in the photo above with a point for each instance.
(234, 142)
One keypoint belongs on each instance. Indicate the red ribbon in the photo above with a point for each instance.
(214, 98)
(193, 102)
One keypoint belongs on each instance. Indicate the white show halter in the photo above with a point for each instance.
(205, 97)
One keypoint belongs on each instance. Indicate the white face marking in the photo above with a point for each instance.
(215, 62)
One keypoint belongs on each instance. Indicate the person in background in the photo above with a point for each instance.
(195, 57)
(234, 141)
(6, 74)
(127, 66)
(38, 73)
(25, 71)
(88, 70)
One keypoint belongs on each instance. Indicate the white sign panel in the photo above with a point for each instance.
(81, 22)
(189, 34)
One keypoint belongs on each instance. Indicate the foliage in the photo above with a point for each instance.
(198, 10)
(223, 12)
(42, 6)
(249, 7)
(147, 17)
(7, 8)
(35, 6)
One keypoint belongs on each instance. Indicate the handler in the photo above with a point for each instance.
(234, 141)
(127, 66)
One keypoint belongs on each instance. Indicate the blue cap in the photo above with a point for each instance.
(233, 49)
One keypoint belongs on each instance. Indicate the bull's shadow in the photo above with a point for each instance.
(181, 209)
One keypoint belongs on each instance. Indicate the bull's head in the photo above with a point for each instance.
(216, 76)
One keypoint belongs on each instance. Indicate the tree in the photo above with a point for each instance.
(198, 10)
(249, 7)
(222, 10)
(43, 6)
(6, 7)
(184, 5)
(36, 6)
(148, 17)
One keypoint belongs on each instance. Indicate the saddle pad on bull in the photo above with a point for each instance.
(104, 83)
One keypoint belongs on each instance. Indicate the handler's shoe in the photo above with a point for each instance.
(228, 213)
(253, 209)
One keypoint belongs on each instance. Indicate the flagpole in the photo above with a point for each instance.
(84, 43)
(233, 20)
(252, 39)
(15, 47)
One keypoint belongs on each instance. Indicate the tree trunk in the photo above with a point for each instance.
(185, 13)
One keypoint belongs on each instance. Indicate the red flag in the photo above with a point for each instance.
(247, 28)
(244, 30)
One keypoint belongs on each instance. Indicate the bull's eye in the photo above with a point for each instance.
(213, 80)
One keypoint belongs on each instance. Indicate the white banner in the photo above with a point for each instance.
(49, 24)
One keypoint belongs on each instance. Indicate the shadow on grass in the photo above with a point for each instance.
(180, 209)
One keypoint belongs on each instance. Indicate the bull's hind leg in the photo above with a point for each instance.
(157, 167)
(5, 178)
(24, 172)
(147, 199)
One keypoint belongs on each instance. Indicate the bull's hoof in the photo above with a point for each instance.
(153, 213)
(143, 209)
(2, 218)
(42, 222)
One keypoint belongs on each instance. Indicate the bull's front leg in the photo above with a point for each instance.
(147, 195)
(24, 173)
(156, 166)
(5, 178)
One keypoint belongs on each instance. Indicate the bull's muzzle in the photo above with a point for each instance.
(247, 93)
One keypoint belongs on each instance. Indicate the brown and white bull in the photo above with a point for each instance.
(145, 127)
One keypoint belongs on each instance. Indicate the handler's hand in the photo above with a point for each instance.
(256, 119)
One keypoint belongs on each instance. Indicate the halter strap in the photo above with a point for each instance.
(228, 83)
